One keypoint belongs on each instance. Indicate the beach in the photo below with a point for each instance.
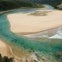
(4, 49)
(26, 23)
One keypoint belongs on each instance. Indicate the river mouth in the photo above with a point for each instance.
(46, 46)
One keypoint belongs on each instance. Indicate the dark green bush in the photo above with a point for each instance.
(7, 5)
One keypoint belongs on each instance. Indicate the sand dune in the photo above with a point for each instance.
(24, 23)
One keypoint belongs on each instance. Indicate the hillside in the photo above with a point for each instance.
(54, 3)
(11, 4)
(7, 5)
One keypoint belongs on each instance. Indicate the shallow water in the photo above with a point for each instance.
(48, 47)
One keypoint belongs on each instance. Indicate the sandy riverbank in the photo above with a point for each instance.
(25, 23)
(4, 49)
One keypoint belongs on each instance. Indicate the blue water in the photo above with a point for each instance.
(49, 47)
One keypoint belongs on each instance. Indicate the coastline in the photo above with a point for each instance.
(43, 26)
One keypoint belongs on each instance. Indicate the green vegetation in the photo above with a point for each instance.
(11, 4)
(7, 5)
(54, 3)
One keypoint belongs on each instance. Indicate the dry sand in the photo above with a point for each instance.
(4, 49)
(24, 23)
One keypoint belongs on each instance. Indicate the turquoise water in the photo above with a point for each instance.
(48, 47)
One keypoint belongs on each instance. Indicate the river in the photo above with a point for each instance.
(48, 47)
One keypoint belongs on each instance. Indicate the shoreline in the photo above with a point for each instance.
(29, 33)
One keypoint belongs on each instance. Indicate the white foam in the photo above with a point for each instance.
(58, 35)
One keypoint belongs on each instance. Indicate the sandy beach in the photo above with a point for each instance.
(4, 49)
(25, 23)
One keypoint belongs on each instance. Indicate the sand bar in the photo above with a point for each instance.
(24, 23)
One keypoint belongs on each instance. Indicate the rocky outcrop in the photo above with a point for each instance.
(60, 6)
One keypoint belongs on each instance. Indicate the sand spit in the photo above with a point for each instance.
(25, 23)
